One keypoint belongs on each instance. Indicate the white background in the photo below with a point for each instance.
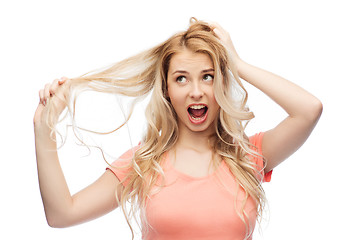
(313, 195)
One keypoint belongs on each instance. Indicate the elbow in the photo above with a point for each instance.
(316, 110)
(310, 112)
(57, 222)
(52, 222)
(313, 111)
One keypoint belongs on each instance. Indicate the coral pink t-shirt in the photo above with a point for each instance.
(198, 207)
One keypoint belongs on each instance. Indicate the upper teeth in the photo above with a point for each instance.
(197, 106)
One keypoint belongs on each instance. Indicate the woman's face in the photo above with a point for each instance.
(190, 89)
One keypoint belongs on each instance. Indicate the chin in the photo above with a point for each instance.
(204, 127)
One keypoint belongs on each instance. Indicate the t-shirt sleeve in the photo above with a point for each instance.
(121, 167)
(256, 141)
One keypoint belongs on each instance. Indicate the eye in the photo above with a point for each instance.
(208, 77)
(181, 79)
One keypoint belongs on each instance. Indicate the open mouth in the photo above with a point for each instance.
(197, 113)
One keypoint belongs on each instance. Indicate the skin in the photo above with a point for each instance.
(63, 209)
(190, 80)
(304, 109)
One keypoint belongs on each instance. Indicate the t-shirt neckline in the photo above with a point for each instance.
(168, 165)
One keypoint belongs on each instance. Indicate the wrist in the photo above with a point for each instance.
(43, 131)
(240, 66)
(42, 122)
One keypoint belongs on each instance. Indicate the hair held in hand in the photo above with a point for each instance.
(146, 73)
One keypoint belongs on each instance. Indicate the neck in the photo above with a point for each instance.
(198, 141)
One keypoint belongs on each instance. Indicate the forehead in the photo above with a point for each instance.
(188, 60)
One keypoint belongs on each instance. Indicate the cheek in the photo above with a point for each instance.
(175, 93)
(174, 97)
(170, 94)
(212, 98)
(176, 101)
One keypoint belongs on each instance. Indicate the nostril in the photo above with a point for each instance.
(197, 94)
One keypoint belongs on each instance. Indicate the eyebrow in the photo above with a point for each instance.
(185, 72)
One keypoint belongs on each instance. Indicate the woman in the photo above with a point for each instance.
(195, 174)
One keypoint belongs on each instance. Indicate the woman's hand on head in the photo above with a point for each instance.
(56, 92)
(224, 38)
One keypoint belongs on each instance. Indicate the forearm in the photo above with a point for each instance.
(53, 187)
(62, 209)
(296, 101)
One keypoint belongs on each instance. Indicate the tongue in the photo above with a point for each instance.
(197, 112)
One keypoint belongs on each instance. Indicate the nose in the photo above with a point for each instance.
(196, 91)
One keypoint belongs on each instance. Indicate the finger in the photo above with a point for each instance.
(46, 92)
(211, 23)
(62, 80)
(53, 87)
(215, 25)
(217, 32)
(41, 96)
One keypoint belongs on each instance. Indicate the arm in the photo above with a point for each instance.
(304, 110)
(61, 208)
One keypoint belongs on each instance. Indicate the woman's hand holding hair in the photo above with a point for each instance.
(61, 208)
(54, 191)
(57, 92)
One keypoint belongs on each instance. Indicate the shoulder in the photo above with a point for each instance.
(123, 165)
(256, 141)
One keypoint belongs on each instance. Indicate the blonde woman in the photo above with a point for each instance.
(195, 174)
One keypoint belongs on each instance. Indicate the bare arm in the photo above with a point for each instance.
(304, 110)
(61, 208)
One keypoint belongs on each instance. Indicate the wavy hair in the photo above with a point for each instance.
(146, 73)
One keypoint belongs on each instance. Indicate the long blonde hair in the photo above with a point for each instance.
(146, 73)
